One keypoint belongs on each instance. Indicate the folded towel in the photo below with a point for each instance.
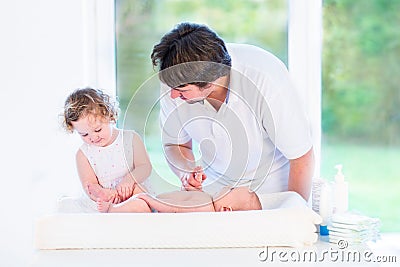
(280, 200)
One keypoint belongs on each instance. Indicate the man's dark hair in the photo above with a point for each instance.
(191, 54)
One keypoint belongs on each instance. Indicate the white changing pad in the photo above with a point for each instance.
(289, 224)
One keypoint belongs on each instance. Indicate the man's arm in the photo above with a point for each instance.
(180, 157)
(300, 175)
(181, 160)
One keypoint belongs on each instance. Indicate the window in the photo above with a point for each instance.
(360, 103)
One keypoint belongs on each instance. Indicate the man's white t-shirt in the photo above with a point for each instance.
(250, 139)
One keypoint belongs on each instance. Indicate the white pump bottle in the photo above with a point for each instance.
(340, 189)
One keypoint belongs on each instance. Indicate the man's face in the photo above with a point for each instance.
(191, 93)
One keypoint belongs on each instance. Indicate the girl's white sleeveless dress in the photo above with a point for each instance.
(110, 164)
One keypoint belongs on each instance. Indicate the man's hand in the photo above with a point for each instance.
(193, 180)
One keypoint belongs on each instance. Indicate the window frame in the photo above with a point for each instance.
(99, 45)
(304, 60)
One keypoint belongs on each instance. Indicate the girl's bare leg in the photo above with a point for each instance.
(180, 201)
(138, 189)
(132, 204)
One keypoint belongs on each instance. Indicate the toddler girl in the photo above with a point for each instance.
(112, 163)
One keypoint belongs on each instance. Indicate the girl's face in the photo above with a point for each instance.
(94, 130)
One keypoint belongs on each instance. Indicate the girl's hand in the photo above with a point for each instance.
(125, 187)
(114, 197)
(97, 192)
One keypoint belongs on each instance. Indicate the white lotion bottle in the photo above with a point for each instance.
(341, 194)
(325, 207)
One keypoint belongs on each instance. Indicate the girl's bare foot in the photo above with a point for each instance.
(132, 205)
(103, 206)
(96, 191)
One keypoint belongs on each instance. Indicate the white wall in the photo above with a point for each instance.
(41, 61)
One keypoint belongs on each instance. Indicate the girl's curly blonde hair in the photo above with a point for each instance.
(83, 102)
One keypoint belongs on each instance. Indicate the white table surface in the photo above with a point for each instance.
(388, 246)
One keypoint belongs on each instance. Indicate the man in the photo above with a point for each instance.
(238, 104)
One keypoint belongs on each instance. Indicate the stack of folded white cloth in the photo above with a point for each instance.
(353, 228)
